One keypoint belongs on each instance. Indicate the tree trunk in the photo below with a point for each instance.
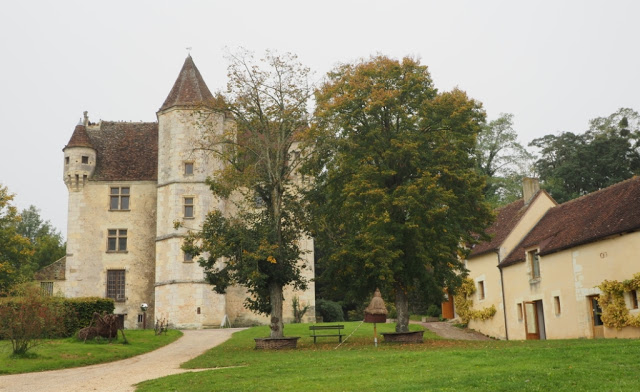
(402, 309)
(277, 326)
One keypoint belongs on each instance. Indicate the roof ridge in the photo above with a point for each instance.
(608, 188)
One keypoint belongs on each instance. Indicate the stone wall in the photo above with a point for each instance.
(88, 261)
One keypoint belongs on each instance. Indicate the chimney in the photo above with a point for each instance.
(530, 186)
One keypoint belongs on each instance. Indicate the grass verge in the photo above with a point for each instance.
(435, 365)
(68, 353)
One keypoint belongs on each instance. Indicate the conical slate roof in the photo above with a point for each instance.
(189, 89)
(80, 138)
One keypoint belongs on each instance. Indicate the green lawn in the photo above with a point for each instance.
(67, 353)
(435, 365)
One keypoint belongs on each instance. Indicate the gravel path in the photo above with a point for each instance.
(121, 375)
(448, 331)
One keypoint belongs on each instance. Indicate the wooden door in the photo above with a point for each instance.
(447, 306)
(531, 321)
(596, 321)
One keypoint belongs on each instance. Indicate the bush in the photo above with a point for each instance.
(30, 317)
(329, 310)
(433, 310)
(391, 310)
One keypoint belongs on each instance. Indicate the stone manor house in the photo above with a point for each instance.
(128, 183)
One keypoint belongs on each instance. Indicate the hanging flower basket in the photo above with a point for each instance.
(276, 343)
(403, 337)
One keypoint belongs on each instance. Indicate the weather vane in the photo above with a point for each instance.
(189, 50)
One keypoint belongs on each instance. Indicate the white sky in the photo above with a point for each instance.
(553, 64)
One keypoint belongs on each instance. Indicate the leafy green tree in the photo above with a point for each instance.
(15, 250)
(47, 242)
(572, 165)
(260, 241)
(397, 192)
(502, 159)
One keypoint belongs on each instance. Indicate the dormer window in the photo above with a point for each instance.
(533, 258)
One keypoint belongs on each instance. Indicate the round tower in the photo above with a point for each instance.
(182, 295)
(79, 157)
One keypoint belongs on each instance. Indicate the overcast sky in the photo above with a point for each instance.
(553, 64)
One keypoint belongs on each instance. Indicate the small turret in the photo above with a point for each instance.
(79, 157)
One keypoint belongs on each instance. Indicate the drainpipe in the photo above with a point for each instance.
(504, 304)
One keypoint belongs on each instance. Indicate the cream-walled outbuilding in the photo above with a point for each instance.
(549, 276)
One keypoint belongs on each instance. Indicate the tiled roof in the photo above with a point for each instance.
(189, 89)
(125, 151)
(79, 138)
(53, 271)
(610, 211)
(506, 219)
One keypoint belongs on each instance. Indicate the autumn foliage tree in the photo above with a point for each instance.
(15, 250)
(398, 196)
(257, 244)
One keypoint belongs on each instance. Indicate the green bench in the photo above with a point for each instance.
(336, 329)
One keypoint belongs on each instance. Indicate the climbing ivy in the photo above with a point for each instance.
(614, 310)
(463, 302)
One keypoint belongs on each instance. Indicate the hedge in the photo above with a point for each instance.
(79, 311)
(329, 310)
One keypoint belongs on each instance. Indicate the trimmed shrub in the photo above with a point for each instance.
(329, 310)
(433, 310)
(80, 311)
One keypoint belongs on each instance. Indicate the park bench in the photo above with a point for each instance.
(336, 329)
